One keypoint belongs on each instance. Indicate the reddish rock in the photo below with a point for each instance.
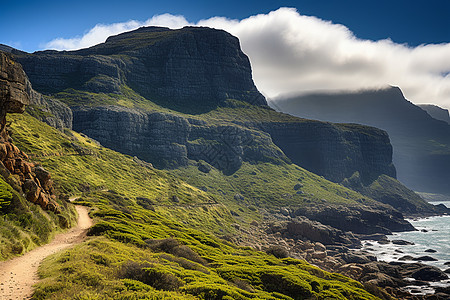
(42, 200)
(3, 151)
(31, 190)
(9, 164)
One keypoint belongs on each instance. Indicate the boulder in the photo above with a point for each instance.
(425, 258)
(430, 251)
(319, 255)
(319, 247)
(429, 273)
(359, 258)
(401, 242)
(44, 177)
(31, 190)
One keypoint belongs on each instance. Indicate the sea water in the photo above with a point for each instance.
(432, 233)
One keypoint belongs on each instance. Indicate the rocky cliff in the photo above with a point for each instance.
(193, 70)
(421, 143)
(335, 151)
(170, 140)
(190, 69)
(26, 177)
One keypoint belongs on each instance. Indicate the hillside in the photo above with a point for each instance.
(143, 216)
(421, 143)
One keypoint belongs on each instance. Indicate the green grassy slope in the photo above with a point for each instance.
(24, 226)
(146, 242)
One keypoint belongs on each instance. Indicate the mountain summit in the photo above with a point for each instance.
(190, 69)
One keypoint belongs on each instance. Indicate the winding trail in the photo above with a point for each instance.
(18, 275)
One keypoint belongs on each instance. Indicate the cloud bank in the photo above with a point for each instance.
(291, 53)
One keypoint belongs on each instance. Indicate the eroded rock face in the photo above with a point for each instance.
(192, 68)
(334, 151)
(169, 140)
(12, 88)
(33, 181)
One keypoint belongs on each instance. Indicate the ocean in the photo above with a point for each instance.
(433, 234)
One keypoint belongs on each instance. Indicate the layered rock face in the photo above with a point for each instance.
(15, 168)
(187, 69)
(335, 151)
(169, 140)
(195, 70)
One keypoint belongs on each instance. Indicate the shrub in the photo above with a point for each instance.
(172, 246)
(277, 251)
(161, 280)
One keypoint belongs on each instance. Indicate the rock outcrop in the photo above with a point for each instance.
(32, 180)
(49, 110)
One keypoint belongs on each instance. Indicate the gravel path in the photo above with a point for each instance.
(18, 275)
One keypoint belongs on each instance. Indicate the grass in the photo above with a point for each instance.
(24, 225)
(152, 237)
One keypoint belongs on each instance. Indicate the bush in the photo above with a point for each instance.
(150, 275)
(173, 247)
(277, 251)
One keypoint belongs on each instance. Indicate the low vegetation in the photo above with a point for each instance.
(153, 233)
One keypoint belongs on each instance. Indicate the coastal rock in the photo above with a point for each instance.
(401, 242)
(429, 273)
(358, 219)
(359, 258)
(301, 227)
(430, 251)
(425, 258)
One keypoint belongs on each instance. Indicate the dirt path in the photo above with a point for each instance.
(18, 275)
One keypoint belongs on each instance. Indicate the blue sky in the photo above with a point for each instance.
(29, 25)
(294, 46)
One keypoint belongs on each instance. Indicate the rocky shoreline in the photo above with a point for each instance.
(341, 252)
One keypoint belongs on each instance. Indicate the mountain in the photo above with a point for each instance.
(436, 112)
(147, 240)
(170, 96)
(180, 97)
(229, 212)
(421, 143)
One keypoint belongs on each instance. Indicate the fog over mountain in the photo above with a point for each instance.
(293, 53)
(421, 143)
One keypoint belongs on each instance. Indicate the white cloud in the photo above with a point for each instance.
(292, 53)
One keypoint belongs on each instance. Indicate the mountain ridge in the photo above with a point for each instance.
(421, 143)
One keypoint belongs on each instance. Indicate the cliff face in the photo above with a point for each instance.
(335, 151)
(436, 112)
(188, 69)
(193, 70)
(169, 140)
(33, 181)
(12, 88)
(421, 143)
